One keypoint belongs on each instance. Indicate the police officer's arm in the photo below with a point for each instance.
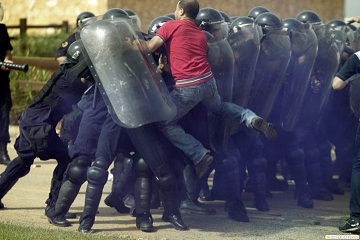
(338, 83)
(154, 43)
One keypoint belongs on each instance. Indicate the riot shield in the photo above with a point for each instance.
(245, 44)
(274, 57)
(125, 73)
(326, 65)
(304, 47)
(319, 89)
(354, 96)
(221, 59)
(356, 42)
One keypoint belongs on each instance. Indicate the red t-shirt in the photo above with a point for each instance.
(186, 46)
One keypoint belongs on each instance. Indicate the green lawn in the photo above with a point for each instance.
(11, 232)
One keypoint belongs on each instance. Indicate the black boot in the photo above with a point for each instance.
(59, 221)
(97, 176)
(67, 194)
(304, 199)
(175, 220)
(86, 223)
(191, 206)
(4, 156)
(123, 173)
(116, 202)
(260, 203)
(237, 211)
(144, 222)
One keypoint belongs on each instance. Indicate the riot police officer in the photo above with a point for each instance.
(313, 111)
(38, 137)
(287, 110)
(137, 114)
(60, 54)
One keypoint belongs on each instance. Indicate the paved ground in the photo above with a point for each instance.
(25, 206)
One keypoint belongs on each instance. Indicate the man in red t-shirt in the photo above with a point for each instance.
(186, 46)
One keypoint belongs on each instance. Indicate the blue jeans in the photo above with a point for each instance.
(355, 180)
(185, 99)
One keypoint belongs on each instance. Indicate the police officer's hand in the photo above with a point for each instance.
(5, 68)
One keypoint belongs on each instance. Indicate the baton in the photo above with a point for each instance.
(14, 66)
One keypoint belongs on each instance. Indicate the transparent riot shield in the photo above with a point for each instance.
(274, 57)
(356, 42)
(221, 59)
(304, 47)
(326, 65)
(245, 44)
(125, 73)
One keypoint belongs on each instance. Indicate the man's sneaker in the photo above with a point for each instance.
(351, 225)
(268, 129)
(203, 166)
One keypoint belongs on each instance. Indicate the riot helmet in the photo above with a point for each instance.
(238, 23)
(336, 24)
(313, 19)
(233, 18)
(308, 16)
(74, 52)
(83, 17)
(211, 20)
(268, 22)
(156, 23)
(255, 11)
(337, 30)
(225, 16)
(115, 13)
(299, 38)
(135, 18)
(291, 24)
(1, 12)
(241, 21)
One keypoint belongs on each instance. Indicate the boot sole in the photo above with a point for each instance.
(266, 128)
(58, 225)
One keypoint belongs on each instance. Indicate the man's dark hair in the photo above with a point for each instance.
(191, 7)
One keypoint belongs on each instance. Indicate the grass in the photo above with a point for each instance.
(11, 232)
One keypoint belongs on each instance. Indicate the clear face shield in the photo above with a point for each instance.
(1, 12)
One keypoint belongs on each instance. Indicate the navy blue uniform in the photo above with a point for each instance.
(38, 137)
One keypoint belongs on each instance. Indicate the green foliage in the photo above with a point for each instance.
(10, 232)
(38, 45)
(31, 46)
(33, 74)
